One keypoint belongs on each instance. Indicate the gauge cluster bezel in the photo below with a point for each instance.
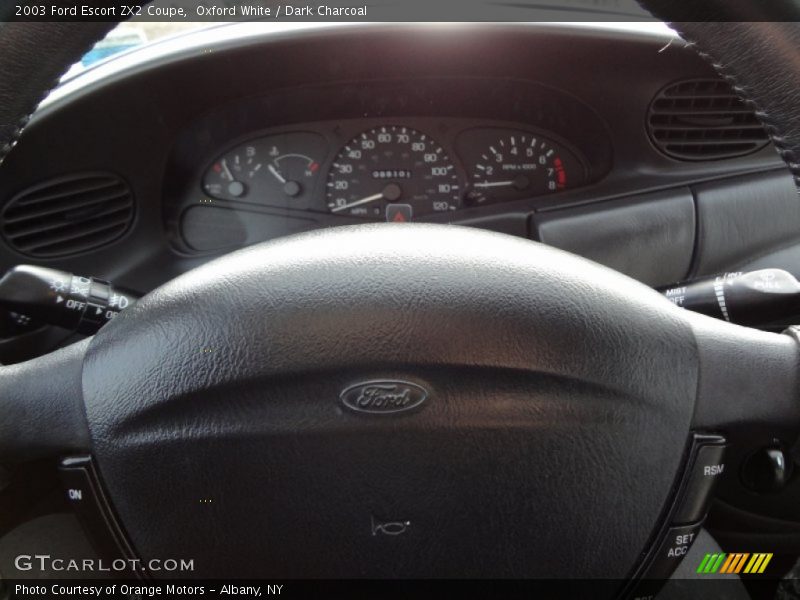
(441, 107)
(313, 211)
(451, 134)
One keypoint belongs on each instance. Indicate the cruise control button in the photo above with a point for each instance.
(673, 548)
(87, 503)
(84, 493)
(707, 468)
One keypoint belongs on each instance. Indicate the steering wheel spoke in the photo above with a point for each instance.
(42, 406)
(749, 380)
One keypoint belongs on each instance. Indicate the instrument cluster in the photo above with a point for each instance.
(393, 170)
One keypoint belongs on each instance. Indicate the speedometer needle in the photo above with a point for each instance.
(358, 202)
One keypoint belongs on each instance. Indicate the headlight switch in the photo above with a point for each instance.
(82, 304)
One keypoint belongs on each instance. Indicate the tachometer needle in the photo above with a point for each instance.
(358, 202)
(278, 176)
(489, 184)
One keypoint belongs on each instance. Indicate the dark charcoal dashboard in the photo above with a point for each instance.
(624, 147)
(241, 184)
(391, 171)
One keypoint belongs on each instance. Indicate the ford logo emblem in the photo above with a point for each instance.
(383, 397)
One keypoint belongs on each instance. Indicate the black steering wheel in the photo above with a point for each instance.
(416, 401)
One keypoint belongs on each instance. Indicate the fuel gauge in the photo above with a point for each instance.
(279, 170)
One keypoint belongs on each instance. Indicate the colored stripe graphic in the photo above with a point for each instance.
(732, 558)
(740, 563)
(703, 568)
(756, 558)
(734, 563)
(761, 563)
(718, 563)
(711, 563)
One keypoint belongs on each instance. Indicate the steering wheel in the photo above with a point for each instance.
(415, 400)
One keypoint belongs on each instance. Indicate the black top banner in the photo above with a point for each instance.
(330, 10)
(187, 11)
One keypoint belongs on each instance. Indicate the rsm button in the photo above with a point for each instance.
(708, 466)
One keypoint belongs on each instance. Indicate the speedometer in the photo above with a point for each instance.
(394, 173)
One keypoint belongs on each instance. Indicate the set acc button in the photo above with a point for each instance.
(680, 543)
(675, 546)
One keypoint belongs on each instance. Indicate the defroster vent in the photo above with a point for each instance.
(703, 119)
(68, 215)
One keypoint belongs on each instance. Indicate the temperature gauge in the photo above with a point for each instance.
(279, 170)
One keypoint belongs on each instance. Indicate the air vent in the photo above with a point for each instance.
(703, 119)
(68, 215)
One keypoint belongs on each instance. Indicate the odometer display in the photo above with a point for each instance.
(394, 173)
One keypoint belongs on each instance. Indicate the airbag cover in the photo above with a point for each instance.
(549, 403)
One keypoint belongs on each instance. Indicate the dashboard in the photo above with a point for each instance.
(392, 171)
(565, 134)
(425, 155)
(373, 170)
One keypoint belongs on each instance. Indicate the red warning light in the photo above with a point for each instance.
(561, 174)
(398, 213)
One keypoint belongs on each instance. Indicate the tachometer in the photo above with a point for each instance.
(394, 173)
(511, 164)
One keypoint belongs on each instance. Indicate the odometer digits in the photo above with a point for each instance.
(394, 173)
